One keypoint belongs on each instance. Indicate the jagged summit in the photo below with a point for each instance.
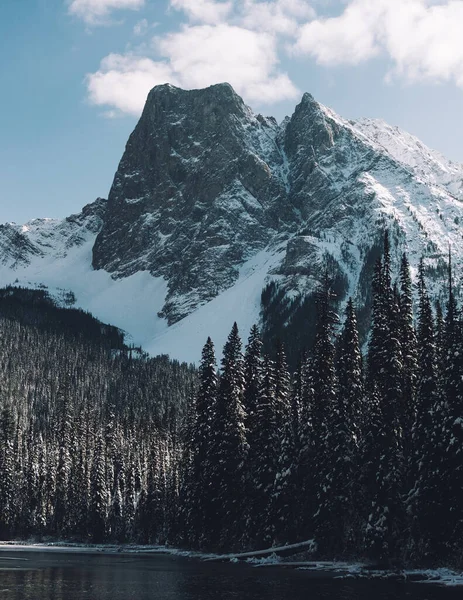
(211, 202)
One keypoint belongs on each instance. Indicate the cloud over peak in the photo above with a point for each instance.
(194, 58)
(95, 12)
(242, 41)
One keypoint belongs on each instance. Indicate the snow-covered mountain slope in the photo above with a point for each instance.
(408, 150)
(212, 202)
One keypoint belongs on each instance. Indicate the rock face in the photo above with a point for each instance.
(211, 198)
(199, 189)
(49, 238)
(204, 184)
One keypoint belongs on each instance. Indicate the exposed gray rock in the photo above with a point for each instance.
(198, 190)
(205, 184)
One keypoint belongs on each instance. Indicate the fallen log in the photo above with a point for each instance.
(287, 550)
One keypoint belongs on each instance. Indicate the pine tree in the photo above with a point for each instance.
(230, 448)
(324, 408)
(7, 512)
(305, 471)
(64, 465)
(262, 458)
(426, 460)
(378, 332)
(408, 347)
(252, 382)
(99, 497)
(345, 432)
(384, 464)
(283, 507)
(452, 409)
(202, 448)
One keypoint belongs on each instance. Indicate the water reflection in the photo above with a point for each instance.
(50, 576)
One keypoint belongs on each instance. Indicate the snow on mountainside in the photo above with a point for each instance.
(211, 202)
(410, 151)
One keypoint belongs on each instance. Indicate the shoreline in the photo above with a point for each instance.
(330, 569)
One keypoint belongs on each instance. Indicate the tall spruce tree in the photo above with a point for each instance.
(7, 479)
(99, 499)
(324, 408)
(347, 428)
(408, 347)
(452, 407)
(230, 448)
(384, 464)
(262, 458)
(252, 382)
(424, 502)
(283, 504)
(203, 446)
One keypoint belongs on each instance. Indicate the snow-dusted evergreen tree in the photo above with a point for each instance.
(345, 433)
(452, 407)
(378, 330)
(424, 502)
(305, 473)
(116, 515)
(7, 481)
(283, 506)
(78, 486)
(385, 465)
(64, 465)
(230, 448)
(99, 497)
(203, 437)
(262, 460)
(323, 412)
(409, 348)
(282, 391)
(440, 338)
(41, 515)
(129, 500)
(252, 382)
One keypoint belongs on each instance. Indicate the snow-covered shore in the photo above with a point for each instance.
(259, 559)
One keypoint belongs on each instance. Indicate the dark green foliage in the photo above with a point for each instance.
(71, 399)
(292, 322)
(229, 447)
(425, 500)
(100, 442)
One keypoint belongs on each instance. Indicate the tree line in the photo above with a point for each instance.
(363, 454)
(360, 452)
(90, 429)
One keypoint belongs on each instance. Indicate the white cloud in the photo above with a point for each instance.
(204, 55)
(204, 11)
(123, 82)
(349, 38)
(141, 27)
(280, 17)
(95, 12)
(195, 57)
(421, 37)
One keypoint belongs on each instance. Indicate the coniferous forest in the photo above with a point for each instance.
(362, 452)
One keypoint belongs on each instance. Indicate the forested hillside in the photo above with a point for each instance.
(86, 423)
(363, 454)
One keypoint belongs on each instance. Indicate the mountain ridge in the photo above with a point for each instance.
(211, 202)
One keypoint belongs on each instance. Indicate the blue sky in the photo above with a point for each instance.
(75, 74)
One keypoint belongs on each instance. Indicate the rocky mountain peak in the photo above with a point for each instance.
(211, 203)
(199, 183)
(205, 183)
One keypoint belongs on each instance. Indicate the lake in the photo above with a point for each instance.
(35, 575)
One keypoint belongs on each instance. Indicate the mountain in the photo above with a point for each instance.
(217, 214)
